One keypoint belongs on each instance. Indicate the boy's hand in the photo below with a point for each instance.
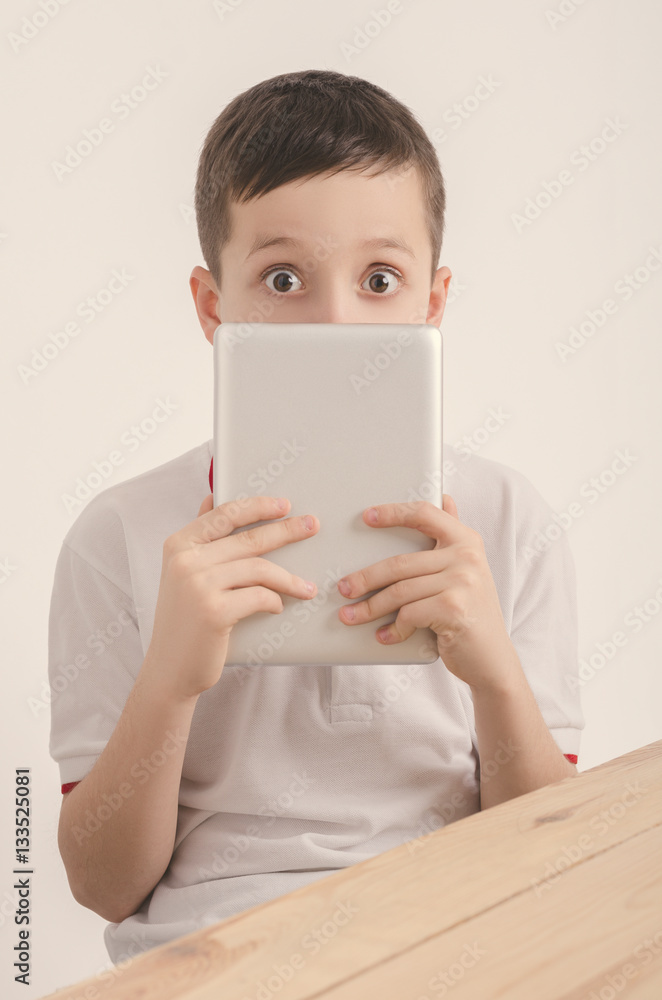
(210, 579)
(449, 589)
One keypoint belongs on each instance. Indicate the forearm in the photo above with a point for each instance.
(517, 751)
(115, 855)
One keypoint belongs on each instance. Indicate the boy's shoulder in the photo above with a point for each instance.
(489, 492)
(152, 504)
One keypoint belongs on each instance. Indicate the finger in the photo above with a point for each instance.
(207, 504)
(449, 505)
(393, 598)
(247, 601)
(253, 572)
(263, 538)
(422, 515)
(401, 567)
(221, 521)
(417, 615)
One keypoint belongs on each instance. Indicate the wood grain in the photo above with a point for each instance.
(545, 896)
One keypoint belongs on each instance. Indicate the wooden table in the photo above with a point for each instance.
(554, 894)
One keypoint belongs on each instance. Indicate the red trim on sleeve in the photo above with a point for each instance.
(69, 785)
(572, 757)
(211, 475)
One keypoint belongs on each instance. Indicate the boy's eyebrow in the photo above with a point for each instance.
(387, 243)
(263, 240)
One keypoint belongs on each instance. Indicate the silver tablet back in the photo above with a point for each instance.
(337, 417)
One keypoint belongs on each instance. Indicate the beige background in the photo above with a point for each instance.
(559, 71)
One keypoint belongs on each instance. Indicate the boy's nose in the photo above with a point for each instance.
(333, 311)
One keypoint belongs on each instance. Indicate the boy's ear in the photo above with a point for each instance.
(438, 295)
(206, 297)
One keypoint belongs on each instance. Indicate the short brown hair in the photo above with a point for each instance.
(300, 124)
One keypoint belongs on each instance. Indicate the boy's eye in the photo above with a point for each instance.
(380, 286)
(282, 281)
(383, 280)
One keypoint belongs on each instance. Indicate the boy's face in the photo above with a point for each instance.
(324, 274)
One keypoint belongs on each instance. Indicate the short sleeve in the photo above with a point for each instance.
(544, 622)
(94, 655)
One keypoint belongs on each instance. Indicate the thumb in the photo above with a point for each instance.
(207, 504)
(448, 504)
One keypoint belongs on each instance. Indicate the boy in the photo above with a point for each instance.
(192, 792)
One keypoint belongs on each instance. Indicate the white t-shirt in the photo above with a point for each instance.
(290, 772)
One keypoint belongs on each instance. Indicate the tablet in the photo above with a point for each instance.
(337, 417)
